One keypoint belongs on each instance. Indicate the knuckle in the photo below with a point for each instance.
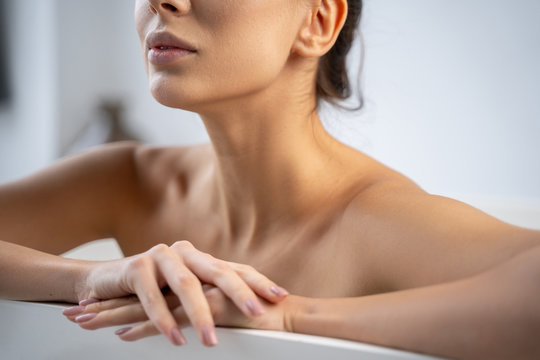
(208, 258)
(97, 307)
(159, 249)
(183, 244)
(150, 299)
(221, 267)
(187, 280)
(220, 270)
(140, 263)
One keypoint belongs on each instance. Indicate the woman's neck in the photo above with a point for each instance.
(274, 165)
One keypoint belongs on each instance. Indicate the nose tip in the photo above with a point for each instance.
(175, 7)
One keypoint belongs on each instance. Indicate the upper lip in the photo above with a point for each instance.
(161, 39)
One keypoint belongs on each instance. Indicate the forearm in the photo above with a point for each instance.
(27, 274)
(494, 315)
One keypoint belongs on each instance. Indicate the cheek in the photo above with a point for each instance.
(235, 64)
(248, 54)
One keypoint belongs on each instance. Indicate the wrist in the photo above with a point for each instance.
(80, 275)
(295, 308)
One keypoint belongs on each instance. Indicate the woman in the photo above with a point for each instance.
(273, 190)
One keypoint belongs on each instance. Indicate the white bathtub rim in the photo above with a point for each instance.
(362, 348)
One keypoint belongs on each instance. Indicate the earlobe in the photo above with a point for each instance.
(321, 28)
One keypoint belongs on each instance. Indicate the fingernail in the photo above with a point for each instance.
(122, 330)
(209, 335)
(279, 291)
(177, 337)
(255, 307)
(85, 317)
(86, 302)
(74, 310)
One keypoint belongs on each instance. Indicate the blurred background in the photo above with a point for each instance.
(451, 88)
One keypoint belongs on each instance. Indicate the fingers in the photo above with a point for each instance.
(182, 268)
(260, 284)
(96, 306)
(137, 332)
(147, 329)
(115, 312)
(127, 314)
(143, 281)
(128, 311)
(189, 290)
(222, 275)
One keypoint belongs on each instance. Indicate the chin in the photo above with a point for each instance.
(171, 94)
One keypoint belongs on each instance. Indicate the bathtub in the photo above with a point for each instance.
(39, 331)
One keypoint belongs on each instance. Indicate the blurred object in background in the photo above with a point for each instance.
(109, 126)
(4, 80)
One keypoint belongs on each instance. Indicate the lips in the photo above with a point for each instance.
(167, 40)
(165, 48)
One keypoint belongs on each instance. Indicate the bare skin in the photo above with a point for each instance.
(387, 233)
(374, 219)
(273, 190)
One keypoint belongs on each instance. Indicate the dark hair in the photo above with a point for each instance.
(333, 83)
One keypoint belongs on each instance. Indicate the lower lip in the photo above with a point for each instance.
(158, 56)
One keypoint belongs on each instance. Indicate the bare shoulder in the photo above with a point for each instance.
(72, 201)
(91, 195)
(417, 239)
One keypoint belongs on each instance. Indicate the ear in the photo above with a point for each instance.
(321, 28)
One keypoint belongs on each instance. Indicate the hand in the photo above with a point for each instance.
(182, 268)
(129, 310)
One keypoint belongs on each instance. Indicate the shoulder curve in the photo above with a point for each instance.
(391, 184)
(91, 164)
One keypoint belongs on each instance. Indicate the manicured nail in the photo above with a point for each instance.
(279, 291)
(122, 330)
(177, 337)
(74, 310)
(255, 307)
(86, 302)
(209, 335)
(85, 317)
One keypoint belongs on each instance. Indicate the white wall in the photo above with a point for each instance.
(28, 121)
(451, 89)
